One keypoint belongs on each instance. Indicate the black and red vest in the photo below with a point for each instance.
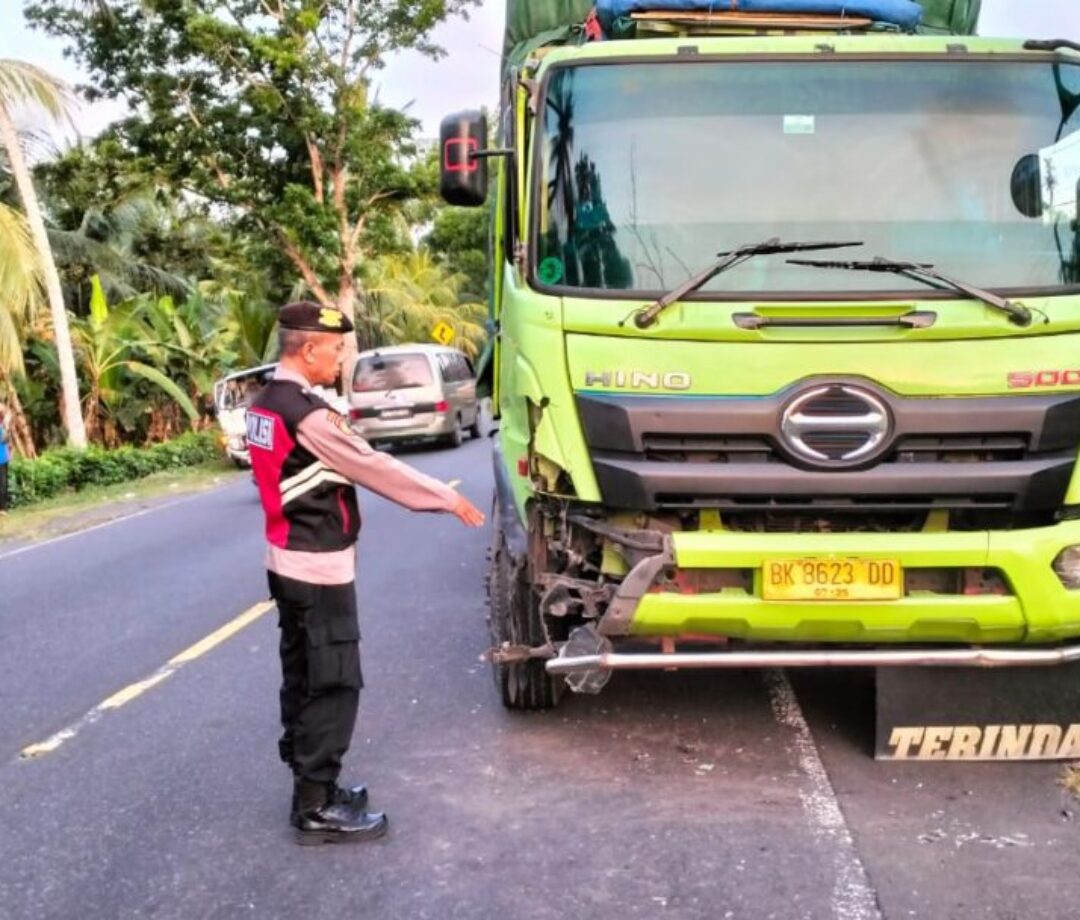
(308, 506)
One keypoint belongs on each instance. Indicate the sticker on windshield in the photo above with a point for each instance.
(800, 124)
(550, 270)
(1060, 174)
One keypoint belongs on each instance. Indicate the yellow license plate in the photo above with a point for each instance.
(832, 580)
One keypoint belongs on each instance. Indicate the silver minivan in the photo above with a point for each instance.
(414, 393)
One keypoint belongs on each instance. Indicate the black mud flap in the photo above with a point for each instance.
(978, 713)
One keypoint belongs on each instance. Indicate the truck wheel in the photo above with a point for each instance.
(515, 618)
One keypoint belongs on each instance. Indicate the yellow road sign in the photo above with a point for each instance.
(443, 333)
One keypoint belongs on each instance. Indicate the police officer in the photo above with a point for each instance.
(305, 460)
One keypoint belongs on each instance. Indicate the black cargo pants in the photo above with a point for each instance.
(320, 671)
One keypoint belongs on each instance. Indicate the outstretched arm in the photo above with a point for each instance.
(328, 436)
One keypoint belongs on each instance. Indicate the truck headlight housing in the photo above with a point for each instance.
(1067, 567)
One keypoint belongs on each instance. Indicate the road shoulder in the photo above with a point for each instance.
(78, 511)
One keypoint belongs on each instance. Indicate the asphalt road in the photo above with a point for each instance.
(669, 795)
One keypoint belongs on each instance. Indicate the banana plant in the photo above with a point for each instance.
(108, 343)
(190, 341)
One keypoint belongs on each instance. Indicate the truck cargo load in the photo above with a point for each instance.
(903, 13)
(531, 24)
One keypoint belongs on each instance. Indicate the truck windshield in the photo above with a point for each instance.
(648, 169)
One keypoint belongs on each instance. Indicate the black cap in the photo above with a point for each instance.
(313, 317)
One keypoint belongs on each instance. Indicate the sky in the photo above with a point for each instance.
(467, 77)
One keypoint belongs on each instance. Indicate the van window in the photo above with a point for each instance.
(391, 372)
(455, 369)
(240, 392)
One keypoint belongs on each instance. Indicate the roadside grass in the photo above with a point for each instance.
(75, 511)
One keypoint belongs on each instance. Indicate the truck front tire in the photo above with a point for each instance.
(514, 618)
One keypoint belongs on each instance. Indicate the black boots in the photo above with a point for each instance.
(326, 813)
(356, 796)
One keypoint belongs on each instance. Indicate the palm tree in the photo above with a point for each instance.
(21, 84)
(20, 300)
(106, 244)
(252, 327)
(20, 287)
(409, 294)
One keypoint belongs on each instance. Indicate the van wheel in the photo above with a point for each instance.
(474, 428)
(514, 617)
(455, 437)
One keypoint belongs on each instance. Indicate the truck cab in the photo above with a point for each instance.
(787, 349)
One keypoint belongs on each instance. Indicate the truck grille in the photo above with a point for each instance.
(978, 448)
(1010, 457)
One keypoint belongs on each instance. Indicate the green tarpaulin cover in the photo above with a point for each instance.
(960, 17)
(533, 23)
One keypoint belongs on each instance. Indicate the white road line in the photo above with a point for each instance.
(133, 691)
(852, 897)
(109, 523)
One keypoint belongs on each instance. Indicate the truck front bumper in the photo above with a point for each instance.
(994, 657)
(1036, 608)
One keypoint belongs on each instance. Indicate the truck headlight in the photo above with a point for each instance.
(1067, 567)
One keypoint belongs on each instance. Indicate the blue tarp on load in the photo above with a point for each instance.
(904, 13)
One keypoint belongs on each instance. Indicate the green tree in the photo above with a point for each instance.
(22, 84)
(459, 237)
(264, 108)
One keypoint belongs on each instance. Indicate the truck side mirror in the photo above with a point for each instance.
(463, 173)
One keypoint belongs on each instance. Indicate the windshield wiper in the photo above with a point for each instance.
(1054, 44)
(927, 274)
(646, 316)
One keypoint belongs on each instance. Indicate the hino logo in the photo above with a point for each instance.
(638, 380)
(835, 425)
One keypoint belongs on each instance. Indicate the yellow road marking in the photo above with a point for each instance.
(129, 693)
(137, 689)
(45, 747)
(454, 483)
(220, 635)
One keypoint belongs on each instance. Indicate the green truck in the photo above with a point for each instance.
(786, 343)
